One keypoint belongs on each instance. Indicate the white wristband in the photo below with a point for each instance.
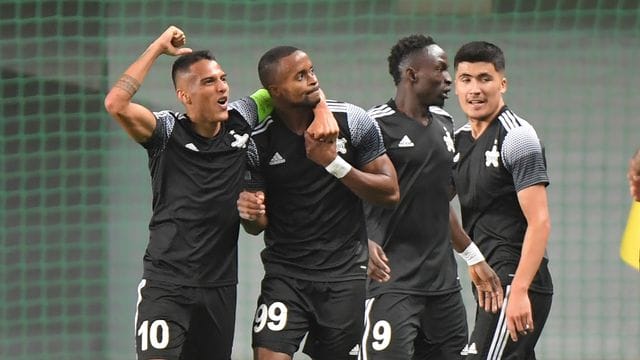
(338, 167)
(472, 254)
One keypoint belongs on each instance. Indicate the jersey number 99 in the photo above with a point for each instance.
(274, 317)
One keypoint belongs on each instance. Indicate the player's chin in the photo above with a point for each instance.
(222, 116)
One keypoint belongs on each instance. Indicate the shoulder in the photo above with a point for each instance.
(263, 127)
(381, 111)
(514, 123)
(167, 115)
(349, 109)
(520, 136)
(444, 117)
(464, 129)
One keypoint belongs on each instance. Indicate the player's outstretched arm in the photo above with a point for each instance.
(137, 120)
(486, 281)
(633, 175)
(533, 201)
(252, 210)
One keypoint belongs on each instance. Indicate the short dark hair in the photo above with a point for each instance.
(480, 51)
(403, 49)
(183, 63)
(267, 65)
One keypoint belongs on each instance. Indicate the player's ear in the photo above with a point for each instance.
(411, 74)
(503, 85)
(183, 97)
(273, 90)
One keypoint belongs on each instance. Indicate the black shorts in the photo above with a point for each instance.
(332, 313)
(403, 327)
(490, 339)
(183, 322)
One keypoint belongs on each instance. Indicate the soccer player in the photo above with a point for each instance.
(309, 192)
(500, 175)
(633, 175)
(415, 309)
(187, 297)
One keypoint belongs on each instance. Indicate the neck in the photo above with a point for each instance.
(297, 119)
(206, 129)
(478, 127)
(412, 107)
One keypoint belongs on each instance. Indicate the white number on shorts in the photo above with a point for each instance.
(274, 316)
(158, 339)
(381, 332)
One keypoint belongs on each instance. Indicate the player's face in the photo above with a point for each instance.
(205, 92)
(479, 87)
(297, 83)
(432, 78)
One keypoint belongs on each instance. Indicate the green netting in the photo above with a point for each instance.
(75, 197)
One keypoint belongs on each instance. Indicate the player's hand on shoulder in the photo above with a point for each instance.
(487, 282)
(324, 126)
(251, 205)
(172, 41)
(378, 268)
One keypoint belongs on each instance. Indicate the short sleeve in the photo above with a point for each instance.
(253, 178)
(365, 135)
(524, 158)
(165, 121)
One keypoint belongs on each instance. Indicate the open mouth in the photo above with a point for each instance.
(222, 100)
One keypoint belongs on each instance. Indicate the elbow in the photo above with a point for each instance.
(113, 105)
(392, 199)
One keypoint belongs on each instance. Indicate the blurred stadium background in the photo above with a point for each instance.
(75, 199)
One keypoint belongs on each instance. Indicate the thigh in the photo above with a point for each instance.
(338, 320)
(210, 335)
(281, 318)
(391, 325)
(162, 319)
(443, 325)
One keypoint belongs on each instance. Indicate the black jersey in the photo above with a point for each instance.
(196, 182)
(488, 173)
(316, 225)
(415, 234)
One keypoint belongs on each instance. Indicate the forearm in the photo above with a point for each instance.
(459, 237)
(533, 249)
(377, 188)
(255, 227)
(128, 84)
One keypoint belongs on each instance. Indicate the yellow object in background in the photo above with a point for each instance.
(630, 246)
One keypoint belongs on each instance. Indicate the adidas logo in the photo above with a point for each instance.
(406, 142)
(355, 351)
(469, 349)
(277, 159)
(190, 146)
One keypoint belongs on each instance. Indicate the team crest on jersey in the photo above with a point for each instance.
(240, 141)
(341, 145)
(491, 157)
(448, 140)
